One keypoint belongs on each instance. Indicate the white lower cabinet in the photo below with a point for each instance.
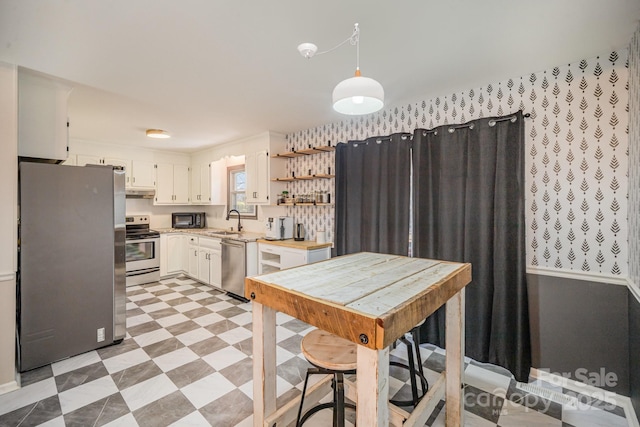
(274, 257)
(177, 253)
(192, 263)
(209, 261)
(198, 257)
(173, 254)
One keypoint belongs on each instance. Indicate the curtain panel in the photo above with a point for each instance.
(372, 195)
(468, 206)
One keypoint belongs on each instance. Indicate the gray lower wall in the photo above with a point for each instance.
(580, 328)
(634, 352)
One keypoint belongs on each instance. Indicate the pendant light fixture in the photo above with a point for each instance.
(357, 95)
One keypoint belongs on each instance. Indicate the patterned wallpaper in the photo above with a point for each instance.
(576, 167)
(634, 159)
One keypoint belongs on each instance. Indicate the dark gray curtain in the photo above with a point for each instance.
(468, 206)
(372, 195)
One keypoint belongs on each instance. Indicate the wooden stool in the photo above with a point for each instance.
(413, 372)
(331, 355)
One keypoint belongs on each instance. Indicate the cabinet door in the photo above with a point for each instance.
(196, 195)
(218, 182)
(205, 184)
(174, 254)
(164, 254)
(184, 253)
(181, 184)
(164, 183)
(42, 117)
(292, 258)
(204, 267)
(262, 175)
(123, 164)
(215, 276)
(250, 167)
(193, 261)
(142, 174)
(257, 169)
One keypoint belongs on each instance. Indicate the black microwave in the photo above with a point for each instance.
(188, 220)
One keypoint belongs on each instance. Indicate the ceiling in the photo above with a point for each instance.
(213, 71)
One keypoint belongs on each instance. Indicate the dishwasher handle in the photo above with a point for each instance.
(233, 244)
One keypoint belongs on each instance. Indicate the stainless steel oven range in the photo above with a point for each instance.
(143, 251)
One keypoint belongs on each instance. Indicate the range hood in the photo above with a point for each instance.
(140, 194)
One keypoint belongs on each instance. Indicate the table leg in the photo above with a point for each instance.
(372, 374)
(455, 360)
(264, 363)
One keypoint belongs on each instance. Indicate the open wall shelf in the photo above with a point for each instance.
(305, 152)
(304, 178)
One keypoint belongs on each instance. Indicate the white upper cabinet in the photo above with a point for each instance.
(219, 182)
(142, 174)
(139, 174)
(260, 167)
(201, 184)
(84, 159)
(181, 184)
(42, 117)
(172, 184)
(257, 170)
(209, 180)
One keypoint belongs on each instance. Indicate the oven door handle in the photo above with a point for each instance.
(146, 240)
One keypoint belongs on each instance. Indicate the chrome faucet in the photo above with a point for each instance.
(236, 211)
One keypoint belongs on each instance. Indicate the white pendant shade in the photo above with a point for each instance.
(358, 95)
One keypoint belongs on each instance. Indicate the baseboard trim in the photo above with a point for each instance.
(579, 275)
(587, 389)
(10, 386)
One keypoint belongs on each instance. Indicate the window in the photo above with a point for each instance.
(237, 192)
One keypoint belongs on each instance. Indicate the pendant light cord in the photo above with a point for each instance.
(354, 39)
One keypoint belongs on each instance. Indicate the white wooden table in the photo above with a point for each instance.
(372, 300)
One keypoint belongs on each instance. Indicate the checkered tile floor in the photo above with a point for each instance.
(186, 361)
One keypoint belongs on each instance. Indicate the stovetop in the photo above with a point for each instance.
(138, 228)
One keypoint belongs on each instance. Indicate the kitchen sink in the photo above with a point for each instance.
(222, 234)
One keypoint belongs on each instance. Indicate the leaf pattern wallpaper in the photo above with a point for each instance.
(576, 170)
(634, 160)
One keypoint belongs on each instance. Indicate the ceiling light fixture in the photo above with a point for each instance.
(356, 95)
(158, 133)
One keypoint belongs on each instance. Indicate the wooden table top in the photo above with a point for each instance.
(370, 299)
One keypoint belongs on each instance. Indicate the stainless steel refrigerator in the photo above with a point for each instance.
(71, 255)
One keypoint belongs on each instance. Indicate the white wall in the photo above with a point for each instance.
(8, 223)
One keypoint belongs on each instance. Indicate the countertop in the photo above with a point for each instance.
(214, 232)
(290, 243)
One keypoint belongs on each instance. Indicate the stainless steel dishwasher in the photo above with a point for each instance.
(234, 268)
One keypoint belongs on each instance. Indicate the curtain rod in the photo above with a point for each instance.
(452, 129)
